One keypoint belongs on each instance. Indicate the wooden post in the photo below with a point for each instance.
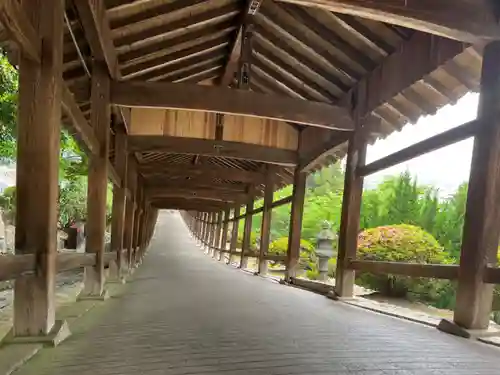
(349, 221)
(247, 230)
(223, 241)
(482, 216)
(206, 217)
(265, 228)
(38, 131)
(293, 250)
(234, 234)
(208, 235)
(218, 234)
(130, 211)
(97, 182)
(137, 224)
(119, 198)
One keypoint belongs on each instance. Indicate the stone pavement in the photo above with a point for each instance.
(185, 313)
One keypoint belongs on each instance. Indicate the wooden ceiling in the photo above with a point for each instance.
(315, 50)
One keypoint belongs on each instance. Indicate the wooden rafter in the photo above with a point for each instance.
(229, 101)
(202, 170)
(208, 147)
(92, 14)
(198, 193)
(465, 20)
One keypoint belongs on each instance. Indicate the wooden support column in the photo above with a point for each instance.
(349, 221)
(234, 233)
(223, 241)
(38, 131)
(208, 235)
(100, 119)
(130, 210)
(137, 223)
(482, 217)
(293, 250)
(247, 230)
(218, 234)
(119, 198)
(203, 239)
(265, 229)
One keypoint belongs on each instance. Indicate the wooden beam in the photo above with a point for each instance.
(79, 123)
(198, 183)
(208, 147)
(279, 202)
(20, 29)
(482, 214)
(97, 181)
(233, 61)
(38, 136)
(333, 143)
(456, 19)
(428, 145)
(229, 101)
(437, 271)
(95, 24)
(205, 171)
(113, 175)
(205, 193)
(296, 213)
(351, 210)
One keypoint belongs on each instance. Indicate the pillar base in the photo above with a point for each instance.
(58, 334)
(448, 326)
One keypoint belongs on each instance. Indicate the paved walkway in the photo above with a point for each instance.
(185, 313)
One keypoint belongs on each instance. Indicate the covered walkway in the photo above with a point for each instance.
(184, 313)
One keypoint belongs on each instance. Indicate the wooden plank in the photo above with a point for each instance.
(351, 208)
(455, 19)
(296, 213)
(68, 261)
(209, 147)
(14, 266)
(229, 101)
(95, 24)
(205, 171)
(482, 215)
(79, 123)
(39, 115)
(420, 148)
(265, 228)
(100, 118)
(437, 271)
(200, 183)
(20, 29)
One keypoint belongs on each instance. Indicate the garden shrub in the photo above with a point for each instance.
(253, 240)
(280, 246)
(402, 243)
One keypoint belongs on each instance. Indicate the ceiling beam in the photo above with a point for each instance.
(205, 171)
(251, 8)
(229, 101)
(197, 204)
(200, 183)
(195, 193)
(209, 147)
(465, 20)
(92, 14)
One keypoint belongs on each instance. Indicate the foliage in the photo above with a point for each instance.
(8, 204)
(280, 246)
(399, 243)
(253, 240)
(8, 109)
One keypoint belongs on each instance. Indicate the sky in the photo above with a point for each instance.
(445, 168)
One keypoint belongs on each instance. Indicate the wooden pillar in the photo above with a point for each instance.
(137, 224)
(204, 237)
(208, 231)
(234, 234)
(97, 181)
(119, 198)
(38, 135)
(482, 217)
(223, 241)
(218, 233)
(296, 213)
(213, 232)
(349, 221)
(140, 234)
(265, 228)
(247, 230)
(130, 211)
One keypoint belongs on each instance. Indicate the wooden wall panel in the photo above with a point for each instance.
(197, 124)
(260, 131)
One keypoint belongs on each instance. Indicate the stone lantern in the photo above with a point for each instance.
(324, 248)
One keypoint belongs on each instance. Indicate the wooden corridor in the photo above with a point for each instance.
(184, 313)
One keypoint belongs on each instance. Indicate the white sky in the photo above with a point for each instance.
(445, 168)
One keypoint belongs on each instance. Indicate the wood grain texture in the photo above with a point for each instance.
(466, 20)
(37, 169)
(229, 101)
